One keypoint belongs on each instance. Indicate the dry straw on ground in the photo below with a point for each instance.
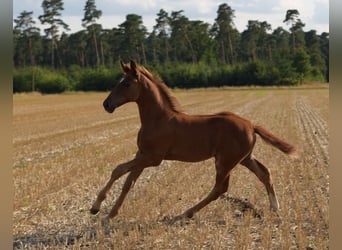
(65, 147)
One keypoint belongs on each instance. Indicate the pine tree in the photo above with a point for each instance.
(225, 33)
(52, 11)
(182, 45)
(292, 18)
(134, 33)
(25, 25)
(89, 22)
(161, 30)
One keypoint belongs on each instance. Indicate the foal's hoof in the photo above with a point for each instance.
(94, 210)
(105, 220)
(183, 218)
(105, 225)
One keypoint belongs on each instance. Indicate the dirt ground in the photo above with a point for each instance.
(65, 147)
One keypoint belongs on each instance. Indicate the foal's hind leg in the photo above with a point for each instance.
(264, 176)
(220, 187)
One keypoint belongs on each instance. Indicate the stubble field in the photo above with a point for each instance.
(65, 147)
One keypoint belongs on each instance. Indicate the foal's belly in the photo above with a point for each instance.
(182, 156)
(191, 150)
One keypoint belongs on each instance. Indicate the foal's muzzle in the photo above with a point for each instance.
(108, 107)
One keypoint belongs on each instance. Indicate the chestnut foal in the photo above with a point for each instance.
(167, 133)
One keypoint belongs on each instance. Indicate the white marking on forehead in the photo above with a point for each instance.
(122, 79)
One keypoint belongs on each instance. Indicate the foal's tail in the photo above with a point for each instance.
(275, 141)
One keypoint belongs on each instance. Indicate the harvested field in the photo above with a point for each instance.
(65, 147)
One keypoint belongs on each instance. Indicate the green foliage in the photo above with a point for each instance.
(90, 13)
(256, 73)
(203, 75)
(182, 75)
(40, 79)
(74, 73)
(186, 53)
(301, 63)
(50, 82)
(22, 80)
(97, 79)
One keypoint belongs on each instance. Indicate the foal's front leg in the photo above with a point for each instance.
(134, 166)
(119, 171)
(129, 183)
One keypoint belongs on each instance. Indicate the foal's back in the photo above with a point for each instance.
(199, 137)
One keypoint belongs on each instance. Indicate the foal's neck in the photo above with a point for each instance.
(151, 106)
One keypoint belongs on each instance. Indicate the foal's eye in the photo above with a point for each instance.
(124, 82)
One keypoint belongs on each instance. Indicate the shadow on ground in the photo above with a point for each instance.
(45, 239)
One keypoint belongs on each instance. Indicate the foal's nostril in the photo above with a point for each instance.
(106, 104)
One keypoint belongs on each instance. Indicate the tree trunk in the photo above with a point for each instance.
(270, 53)
(193, 55)
(224, 61)
(53, 53)
(154, 53)
(143, 53)
(102, 53)
(231, 49)
(96, 49)
(293, 43)
(166, 50)
(254, 56)
(59, 56)
(32, 63)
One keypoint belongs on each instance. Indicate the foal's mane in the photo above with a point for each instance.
(164, 91)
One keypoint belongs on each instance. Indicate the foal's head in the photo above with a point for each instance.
(126, 90)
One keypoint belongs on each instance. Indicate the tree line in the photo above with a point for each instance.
(185, 53)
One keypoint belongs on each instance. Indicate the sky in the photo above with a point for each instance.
(314, 13)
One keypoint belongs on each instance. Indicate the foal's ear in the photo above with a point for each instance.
(134, 68)
(124, 67)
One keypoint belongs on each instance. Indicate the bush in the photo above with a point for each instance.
(22, 80)
(194, 75)
(50, 82)
(181, 75)
(98, 79)
(39, 79)
(288, 81)
(74, 73)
